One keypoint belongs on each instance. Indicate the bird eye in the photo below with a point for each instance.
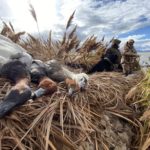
(81, 79)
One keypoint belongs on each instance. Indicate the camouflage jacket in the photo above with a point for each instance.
(129, 55)
(114, 55)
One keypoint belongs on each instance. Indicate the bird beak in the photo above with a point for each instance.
(46, 86)
(38, 93)
(13, 99)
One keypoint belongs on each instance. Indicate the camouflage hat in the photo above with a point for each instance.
(116, 41)
(130, 41)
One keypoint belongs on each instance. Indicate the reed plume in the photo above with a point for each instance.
(33, 13)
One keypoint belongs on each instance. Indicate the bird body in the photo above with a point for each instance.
(10, 50)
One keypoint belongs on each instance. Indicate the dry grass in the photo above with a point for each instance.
(69, 49)
(8, 31)
(70, 121)
(139, 97)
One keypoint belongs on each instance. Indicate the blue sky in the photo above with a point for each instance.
(141, 36)
(124, 19)
(145, 30)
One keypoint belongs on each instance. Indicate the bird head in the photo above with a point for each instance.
(78, 83)
(81, 80)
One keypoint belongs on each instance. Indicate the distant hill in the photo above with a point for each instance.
(144, 51)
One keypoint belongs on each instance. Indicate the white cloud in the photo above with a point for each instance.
(106, 17)
(21, 18)
(110, 19)
(5, 9)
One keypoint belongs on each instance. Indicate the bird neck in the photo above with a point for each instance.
(68, 73)
(23, 81)
(21, 85)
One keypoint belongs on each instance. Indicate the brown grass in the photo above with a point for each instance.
(139, 96)
(8, 31)
(69, 121)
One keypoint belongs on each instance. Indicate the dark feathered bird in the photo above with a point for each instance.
(14, 99)
(18, 73)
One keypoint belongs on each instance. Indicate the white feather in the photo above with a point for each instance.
(80, 78)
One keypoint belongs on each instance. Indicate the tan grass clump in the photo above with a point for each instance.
(8, 31)
(38, 49)
(69, 49)
(86, 120)
(139, 97)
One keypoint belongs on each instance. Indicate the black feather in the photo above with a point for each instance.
(14, 70)
(13, 100)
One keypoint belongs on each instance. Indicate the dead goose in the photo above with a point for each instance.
(15, 65)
